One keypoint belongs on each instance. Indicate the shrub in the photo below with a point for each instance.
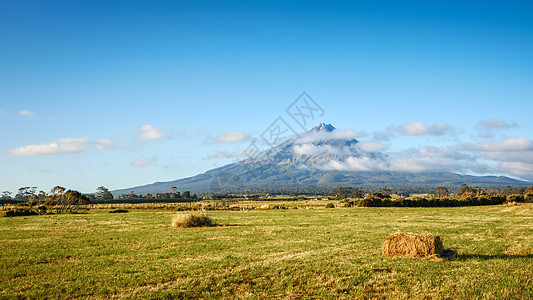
(330, 205)
(387, 203)
(41, 209)
(515, 198)
(118, 211)
(264, 206)
(191, 220)
(349, 204)
(19, 212)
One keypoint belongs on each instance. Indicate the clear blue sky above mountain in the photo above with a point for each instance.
(122, 93)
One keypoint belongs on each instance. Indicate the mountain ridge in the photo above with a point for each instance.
(302, 162)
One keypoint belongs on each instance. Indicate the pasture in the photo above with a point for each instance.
(257, 254)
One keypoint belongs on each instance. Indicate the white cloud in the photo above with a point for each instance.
(493, 124)
(430, 151)
(104, 143)
(488, 128)
(313, 136)
(372, 146)
(367, 156)
(413, 128)
(26, 113)
(412, 163)
(515, 163)
(510, 156)
(518, 168)
(381, 135)
(310, 149)
(406, 161)
(312, 143)
(316, 150)
(148, 132)
(232, 137)
(181, 133)
(144, 162)
(347, 134)
(419, 128)
(510, 144)
(60, 146)
(353, 163)
(513, 156)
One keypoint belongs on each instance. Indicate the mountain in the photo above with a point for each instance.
(319, 159)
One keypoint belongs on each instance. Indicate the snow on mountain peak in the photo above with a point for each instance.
(323, 127)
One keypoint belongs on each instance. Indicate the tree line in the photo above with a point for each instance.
(441, 197)
(30, 194)
(58, 200)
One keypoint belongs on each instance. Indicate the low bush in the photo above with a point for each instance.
(17, 212)
(118, 211)
(515, 198)
(41, 209)
(352, 203)
(330, 205)
(278, 207)
(191, 220)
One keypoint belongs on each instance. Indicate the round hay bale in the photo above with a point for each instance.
(413, 245)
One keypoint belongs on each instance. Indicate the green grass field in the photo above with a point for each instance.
(294, 253)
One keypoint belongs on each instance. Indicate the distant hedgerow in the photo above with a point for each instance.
(445, 202)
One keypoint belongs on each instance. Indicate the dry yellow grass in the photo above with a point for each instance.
(191, 220)
(413, 245)
(267, 254)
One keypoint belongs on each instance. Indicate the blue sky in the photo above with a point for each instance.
(123, 93)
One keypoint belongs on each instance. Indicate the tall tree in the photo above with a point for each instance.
(102, 193)
(25, 192)
(441, 192)
(528, 193)
(507, 191)
(57, 191)
(493, 191)
(6, 195)
(465, 190)
(67, 201)
(347, 192)
(385, 191)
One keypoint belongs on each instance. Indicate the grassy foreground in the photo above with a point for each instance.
(295, 253)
